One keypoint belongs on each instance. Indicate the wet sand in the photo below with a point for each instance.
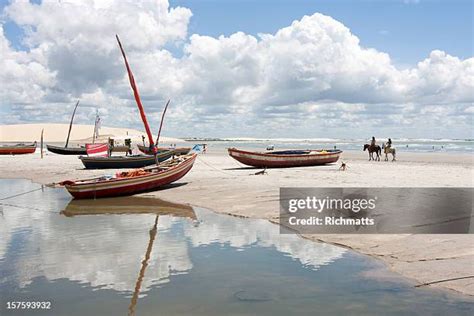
(220, 183)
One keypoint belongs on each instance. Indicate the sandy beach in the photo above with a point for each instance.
(221, 184)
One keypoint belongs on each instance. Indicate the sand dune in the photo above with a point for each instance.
(58, 133)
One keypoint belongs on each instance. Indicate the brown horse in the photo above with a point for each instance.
(373, 149)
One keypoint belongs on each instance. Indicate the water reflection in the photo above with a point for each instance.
(145, 254)
(106, 250)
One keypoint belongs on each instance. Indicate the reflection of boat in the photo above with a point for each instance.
(132, 205)
(177, 151)
(132, 182)
(127, 205)
(117, 162)
(286, 158)
(17, 149)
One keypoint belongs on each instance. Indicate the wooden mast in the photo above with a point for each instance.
(70, 124)
(42, 132)
(95, 135)
(137, 98)
(161, 123)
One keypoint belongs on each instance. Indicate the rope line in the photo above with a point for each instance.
(15, 195)
(215, 168)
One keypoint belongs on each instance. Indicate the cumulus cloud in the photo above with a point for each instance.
(313, 72)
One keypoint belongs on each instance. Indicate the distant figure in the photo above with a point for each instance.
(334, 147)
(143, 140)
(407, 145)
(128, 143)
(204, 149)
(389, 150)
(372, 142)
(111, 147)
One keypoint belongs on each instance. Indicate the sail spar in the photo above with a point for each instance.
(137, 98)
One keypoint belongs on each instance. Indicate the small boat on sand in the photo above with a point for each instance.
(177, 151)
(67, 150)
(131, 182)
(18, 149)
(285, 158)
(118, 162)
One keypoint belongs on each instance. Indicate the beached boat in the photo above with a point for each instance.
(131, 182)
(18, 149)
(177, 151)
(67, 150)
(117, 162)
(285, 158)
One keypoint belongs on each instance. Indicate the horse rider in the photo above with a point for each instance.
(389, 144)
(372, 142)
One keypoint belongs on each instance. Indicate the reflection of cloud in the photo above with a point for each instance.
(106, 250)
(245, 232)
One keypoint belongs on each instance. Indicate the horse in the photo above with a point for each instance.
(373, 149)
(390, 150)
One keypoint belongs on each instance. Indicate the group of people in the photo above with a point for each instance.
(388, 144)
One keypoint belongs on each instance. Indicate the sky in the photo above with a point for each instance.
(301, 68)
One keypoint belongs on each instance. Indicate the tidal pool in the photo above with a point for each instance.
(95, 258)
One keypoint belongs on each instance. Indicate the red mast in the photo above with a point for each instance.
(137, 98)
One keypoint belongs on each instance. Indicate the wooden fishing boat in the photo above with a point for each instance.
(127, 205)
(131, 182)
(117, 162)
(18, 149)
(67, 150)
(285, 158)
(177, 151)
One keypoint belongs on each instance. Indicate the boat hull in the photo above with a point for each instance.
(123, 161)
(67, 150)
(129, 186)
(18, 149)
(275, 160)
(177, 151)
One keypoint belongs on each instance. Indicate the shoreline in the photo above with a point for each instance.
(217, 182)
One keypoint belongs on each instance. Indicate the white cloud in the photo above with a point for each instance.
(314, 70)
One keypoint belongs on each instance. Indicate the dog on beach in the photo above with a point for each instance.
(343, 166)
